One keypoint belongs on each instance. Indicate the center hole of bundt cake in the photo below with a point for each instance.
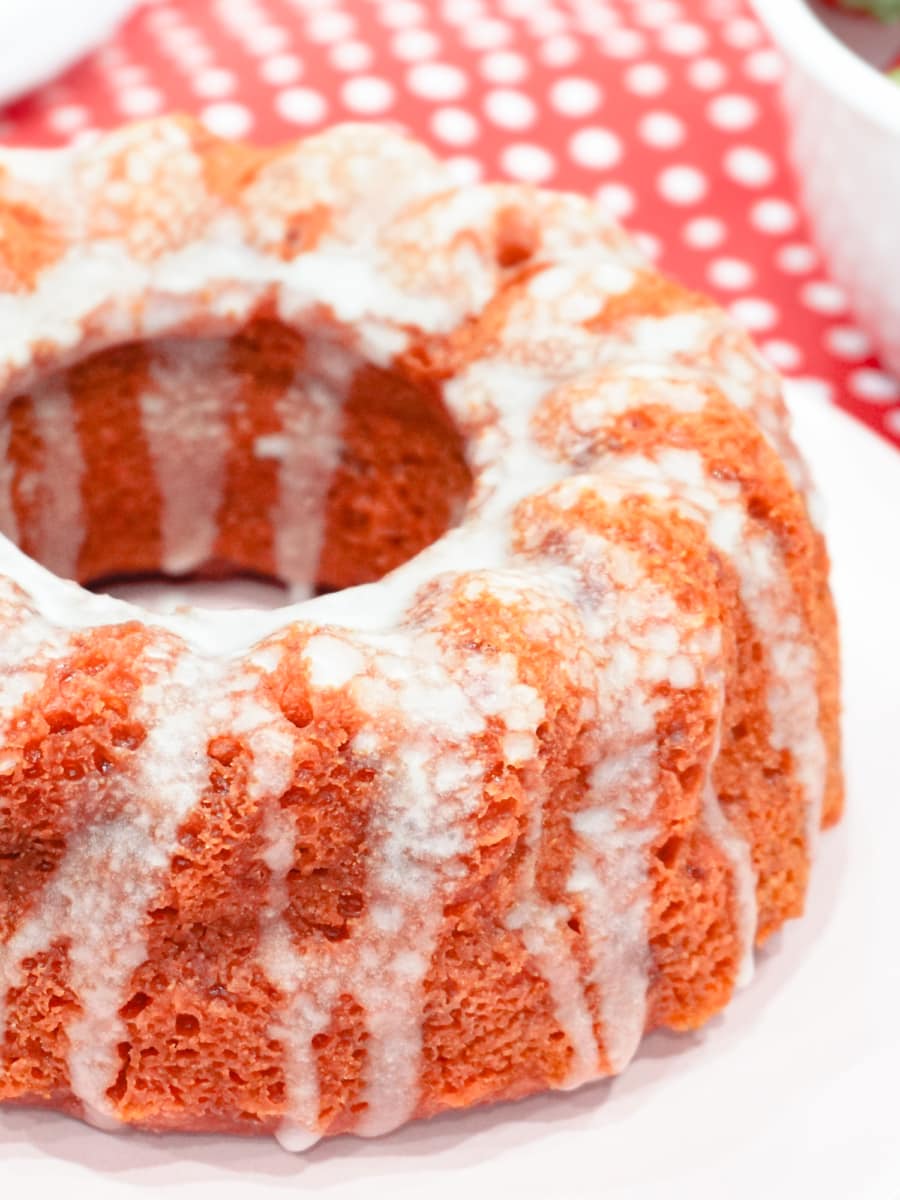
(270, 456)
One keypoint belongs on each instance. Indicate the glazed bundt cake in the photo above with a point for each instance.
(545, 750)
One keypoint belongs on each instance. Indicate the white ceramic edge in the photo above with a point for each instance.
(27, 62)
(814, 48)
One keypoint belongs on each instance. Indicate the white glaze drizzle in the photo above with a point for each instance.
(60, 525)
(311, 415)
(171, 778)
(543, 926)
(639, 639)
(184, 417)
(9, 525)
(765, 588)
(98, 897)
(417, 736)
(770, 600)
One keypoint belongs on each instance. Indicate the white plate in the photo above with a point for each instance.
(790, 1094)
(39, 38)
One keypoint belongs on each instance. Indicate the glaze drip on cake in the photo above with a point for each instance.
(541, 765)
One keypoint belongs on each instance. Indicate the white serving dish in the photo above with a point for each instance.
(40, 38)
(844, 128)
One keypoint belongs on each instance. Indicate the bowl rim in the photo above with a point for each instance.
(805, 39)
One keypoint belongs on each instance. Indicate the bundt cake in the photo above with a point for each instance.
(542, 749)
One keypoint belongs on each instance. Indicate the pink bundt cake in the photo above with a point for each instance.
(546, 750)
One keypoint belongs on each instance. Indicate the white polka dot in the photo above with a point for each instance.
(731, 111)
(281, 68)
(823, 297)
(401, 13)
(265, 39)
(486, 34)
(646, 79)
(741, 33)
(214, 82)
(683, 38)
(623, 43)
(812, 390)
(682, 184)
(784, 356)
(730, 273)
(176, 39)
(455, 126)
(351, 56)
(140, 101)
(228, 119)
(661, 129)
(846, 341)
(875, 386)
(460, 12)
(464, 169)
(517, 8)
(530, 163)
(595, 148)
(84, 138)
(158, 18)
(575, 97)
(773, 216)
(413, 45)
(649, 245)
(656, 13)
(546, 22)
(67, 118)
(180, 35)
(753, 313)
(331, 26)
(749, 166)
(509, 109)
(559, 51)
(367, 94)
(707, 74)
(503, 66)
(192, 58)
(436, 81)
(123, 77)
(796, 258)
(301, 106)
(618, 199)
(704, 233)
(764, 66)
(594, 19)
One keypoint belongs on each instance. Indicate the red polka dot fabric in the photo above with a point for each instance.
(666, 111)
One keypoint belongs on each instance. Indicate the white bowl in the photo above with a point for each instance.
(844, 125)
(39, 38)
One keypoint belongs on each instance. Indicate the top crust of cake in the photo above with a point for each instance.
(161, 229)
